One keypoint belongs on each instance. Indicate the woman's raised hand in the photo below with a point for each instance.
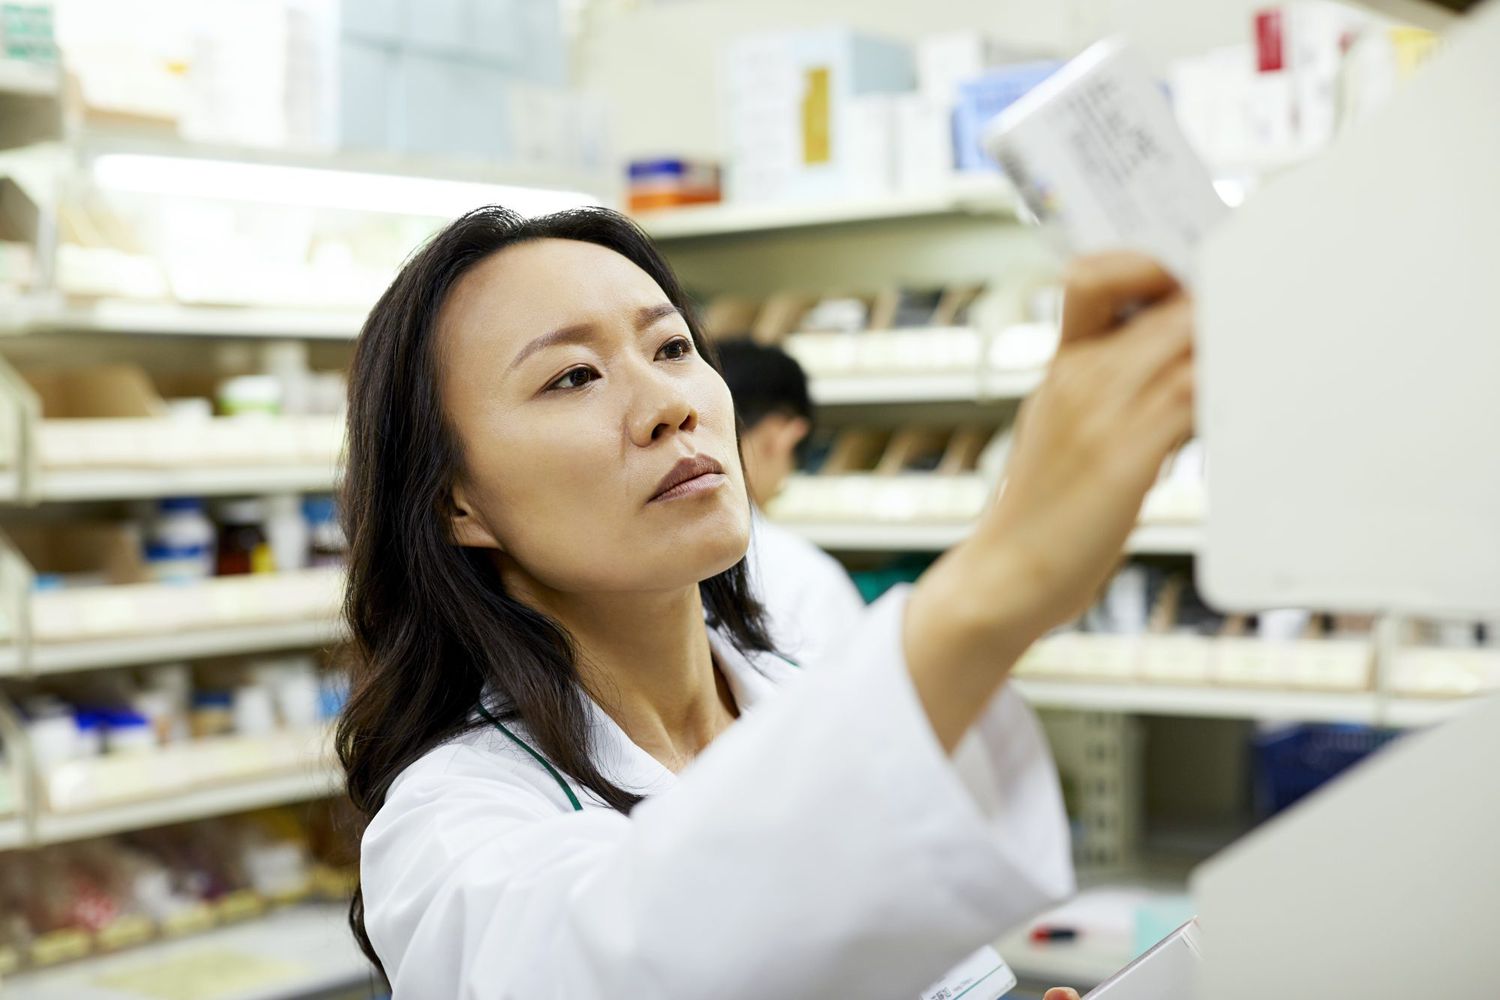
(1089, 443)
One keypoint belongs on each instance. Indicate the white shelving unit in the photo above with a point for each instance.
(906, 537)
(990, 197)
(131, 484)
(300, 951)
(27, 79)
(939, 387)
(230, 797)
(175, 647)
(12, 833)
(125, 318)
(1202, 701)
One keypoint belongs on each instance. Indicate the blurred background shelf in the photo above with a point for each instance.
(12, 833)
(1200, 701)
(128, 318)
(22, 78)
(175, 647)
(230, 796)
(896, 536)
(128, 484)
(989, 198)
(945, 387)
(300, 951)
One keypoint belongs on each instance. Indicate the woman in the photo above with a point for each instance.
(545, 505)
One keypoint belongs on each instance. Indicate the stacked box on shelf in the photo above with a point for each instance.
(809, 116)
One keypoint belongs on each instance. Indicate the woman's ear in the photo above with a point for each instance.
(467, 529)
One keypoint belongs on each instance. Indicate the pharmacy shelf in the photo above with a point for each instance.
(28, 79)
(991, 198)
(126, 318)
(230, 797)
(1412, 713)
(12, 833)
(1205, 702)
(173, 647)
(1165, 539)
(130, 484)
(943, 387)
(299, 951)
(96, 142)
(893, 537)
(1201, 701)
(907, 537)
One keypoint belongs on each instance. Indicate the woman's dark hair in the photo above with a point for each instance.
(764, 379)
(432, 628)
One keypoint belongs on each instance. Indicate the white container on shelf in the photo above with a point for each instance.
(180, 542)
(287, 532)
(254, 710)
(133, 735)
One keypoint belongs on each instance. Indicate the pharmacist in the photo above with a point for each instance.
(586, 772)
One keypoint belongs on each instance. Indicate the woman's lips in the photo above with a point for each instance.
(697, 486)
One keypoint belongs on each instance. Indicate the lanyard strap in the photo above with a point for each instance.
(577, 806)
(567, 789)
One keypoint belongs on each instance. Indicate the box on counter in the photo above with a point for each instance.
(809, 114)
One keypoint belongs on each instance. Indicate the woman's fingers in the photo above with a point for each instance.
(1165, 418)
(1101, 288)
(1061, 993)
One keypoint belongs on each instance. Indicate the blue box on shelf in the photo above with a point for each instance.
(984, 97)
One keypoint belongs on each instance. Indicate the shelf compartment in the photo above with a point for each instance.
(185, 781)
(986, 196)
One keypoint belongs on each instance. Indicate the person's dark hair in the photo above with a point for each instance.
(764, 380)
(431, 625)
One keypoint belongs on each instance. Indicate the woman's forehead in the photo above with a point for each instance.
(541, 285)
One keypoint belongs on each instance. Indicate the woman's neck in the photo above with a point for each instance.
(645, 659)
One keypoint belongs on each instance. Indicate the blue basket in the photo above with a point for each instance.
(1294, 761)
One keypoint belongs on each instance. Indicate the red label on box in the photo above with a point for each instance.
(1270, 53)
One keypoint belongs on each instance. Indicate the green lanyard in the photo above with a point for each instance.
(577, 806)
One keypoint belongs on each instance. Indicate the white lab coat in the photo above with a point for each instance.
(811, 604)
(824, 846)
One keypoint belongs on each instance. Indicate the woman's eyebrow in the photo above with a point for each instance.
(580, 333)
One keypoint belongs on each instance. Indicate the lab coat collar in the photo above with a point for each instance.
(751, 679)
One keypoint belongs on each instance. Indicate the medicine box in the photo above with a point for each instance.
(809, 115)
(984, 97)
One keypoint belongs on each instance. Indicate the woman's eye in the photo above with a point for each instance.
(575, 378)
(676, 349)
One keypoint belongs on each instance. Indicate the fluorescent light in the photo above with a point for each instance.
(190, 177)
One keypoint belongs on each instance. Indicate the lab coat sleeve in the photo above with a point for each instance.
(824, 846)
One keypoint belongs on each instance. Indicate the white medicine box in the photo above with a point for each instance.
(810, 114)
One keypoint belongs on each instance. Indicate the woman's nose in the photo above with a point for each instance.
(662, 410)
